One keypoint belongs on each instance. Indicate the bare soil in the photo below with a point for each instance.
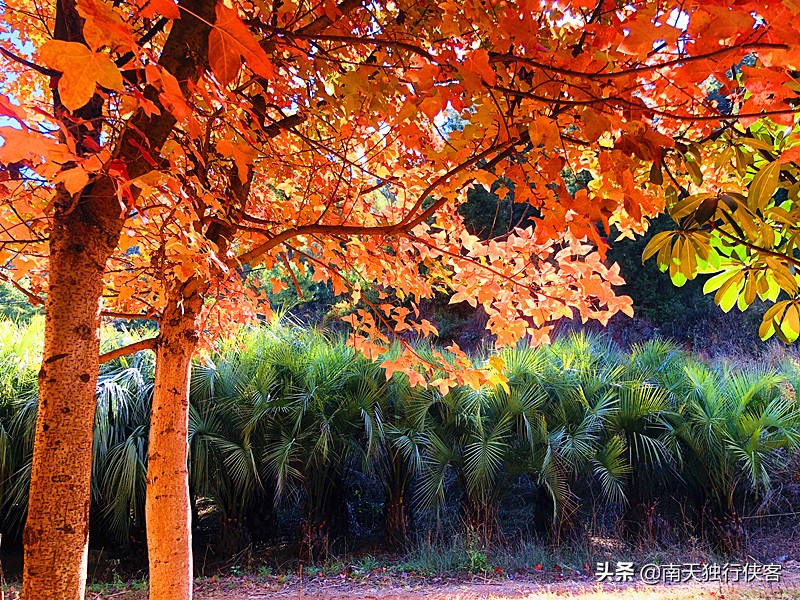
(540, 588)
(545, 586)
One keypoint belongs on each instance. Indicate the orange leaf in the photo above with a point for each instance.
(790, 155)
(82, 70)
(160, 8)
(229, 42)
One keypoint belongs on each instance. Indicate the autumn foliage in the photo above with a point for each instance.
(334, 138)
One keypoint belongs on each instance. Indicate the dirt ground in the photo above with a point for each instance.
(385, 585)
(473, 588)
(541, 588)
(512, 590)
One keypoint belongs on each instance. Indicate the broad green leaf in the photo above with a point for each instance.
(694, 171)
(687, 206)
(727, 294)
(716, 282)
(782, 274)
(757, 144)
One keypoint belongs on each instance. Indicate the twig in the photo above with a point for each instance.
(29, 64)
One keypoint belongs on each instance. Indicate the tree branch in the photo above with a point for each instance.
(346, 39)
(110, 314)
(758, 249)
(32, 298)
(405, 224)
(512, 58)
(153, 32)
(283, 124)
(317, 25)
(31, 65)
(148, 344)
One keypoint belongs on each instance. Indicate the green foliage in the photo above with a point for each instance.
(284, 415)
(14, 306)
(742, 232)
(668, 307)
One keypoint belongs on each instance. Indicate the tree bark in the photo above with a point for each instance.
(57, 528)
(84, 233)
(167, 507)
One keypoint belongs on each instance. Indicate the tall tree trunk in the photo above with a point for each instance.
(85, 230)
(57, 529)
(84, 233)
(168, 504)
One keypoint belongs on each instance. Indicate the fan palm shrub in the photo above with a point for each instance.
(119, 448)
(581, 378)
(285, 414)
(646, 420)
(328, 417)
(120, 434)
(20, 356)
(399, 456)
(234, 395)
(736, 424)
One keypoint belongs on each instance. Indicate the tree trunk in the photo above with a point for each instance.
(168, 504)
(57, 529)
(85, 231)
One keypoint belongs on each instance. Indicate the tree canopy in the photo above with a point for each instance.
(325, 150)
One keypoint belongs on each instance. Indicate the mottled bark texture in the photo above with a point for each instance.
(85, 230)
(169, 523)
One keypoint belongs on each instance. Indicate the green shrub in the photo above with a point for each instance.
(287, 416)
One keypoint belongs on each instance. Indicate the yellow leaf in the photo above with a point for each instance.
(82, 70)
(790, 325)
(764, 185)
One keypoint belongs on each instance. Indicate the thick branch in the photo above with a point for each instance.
(148, 344)
(284, 124)
(406, 224)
